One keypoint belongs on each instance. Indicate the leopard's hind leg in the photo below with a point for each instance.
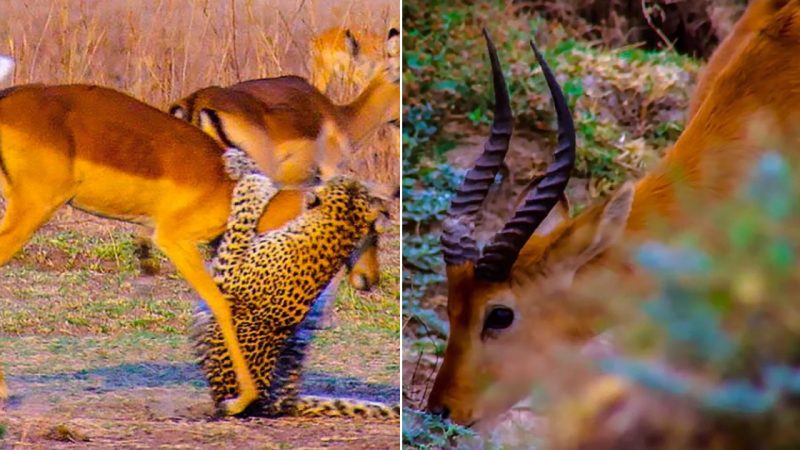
(284, 396)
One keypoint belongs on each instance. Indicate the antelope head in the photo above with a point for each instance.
(496, 292)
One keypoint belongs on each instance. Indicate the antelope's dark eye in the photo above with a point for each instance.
(499, 318)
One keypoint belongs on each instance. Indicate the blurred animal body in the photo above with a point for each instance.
(277, 121)
(349, 58)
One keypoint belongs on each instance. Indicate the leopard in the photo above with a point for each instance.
(277, 283)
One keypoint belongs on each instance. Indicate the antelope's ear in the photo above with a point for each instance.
(785, 24)
(351, 43)
(179, 112)
(393, 43)
(594, 232)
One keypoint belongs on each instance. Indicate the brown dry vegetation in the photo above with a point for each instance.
(161, 50)
(96, 354)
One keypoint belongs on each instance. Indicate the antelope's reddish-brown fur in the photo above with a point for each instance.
(106, 153)
(752, 91)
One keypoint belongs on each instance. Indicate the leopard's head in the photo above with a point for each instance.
(350, 200)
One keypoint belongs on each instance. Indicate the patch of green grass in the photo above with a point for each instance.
(424, 431)
(87, 302)
(42, 355)
(119, 251)
(68, 241)
(370, 312)
(112, 250)
(626, 102)
(368, 321)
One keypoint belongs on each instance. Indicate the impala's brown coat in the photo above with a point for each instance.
(755, 17)
(290, 113)
(109, 154)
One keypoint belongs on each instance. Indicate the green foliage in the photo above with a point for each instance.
(428, 432)
(723, 325)
(628, 103)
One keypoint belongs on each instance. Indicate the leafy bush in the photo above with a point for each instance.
(426, 432)
(718, 340)
(628, 103)
(693, 28)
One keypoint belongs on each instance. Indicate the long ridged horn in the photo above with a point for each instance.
(502, 251)
(458, 245)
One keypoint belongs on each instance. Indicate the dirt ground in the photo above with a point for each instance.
(96, 355)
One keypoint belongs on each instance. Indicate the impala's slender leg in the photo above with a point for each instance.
(189, 262)
(24, 215)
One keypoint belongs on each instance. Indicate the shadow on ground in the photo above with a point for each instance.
(162, 375)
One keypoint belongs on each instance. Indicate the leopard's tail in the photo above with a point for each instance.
(316, 406)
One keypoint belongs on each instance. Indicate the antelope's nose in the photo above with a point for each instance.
(441, 411)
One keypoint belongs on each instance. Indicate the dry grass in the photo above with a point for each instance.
(161, 50)
(91, 350)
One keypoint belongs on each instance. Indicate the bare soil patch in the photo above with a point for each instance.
(96, 356)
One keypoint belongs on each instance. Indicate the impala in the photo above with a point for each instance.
(351, 57)
(108, 154)
(500, 296)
